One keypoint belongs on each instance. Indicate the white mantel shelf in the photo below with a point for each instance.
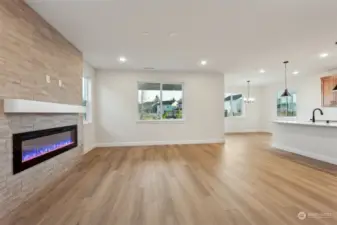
(29, 106)
(304, 123)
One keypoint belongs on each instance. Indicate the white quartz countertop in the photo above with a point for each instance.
(307, 123)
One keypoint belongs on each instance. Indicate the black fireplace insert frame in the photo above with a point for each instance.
(19, 166)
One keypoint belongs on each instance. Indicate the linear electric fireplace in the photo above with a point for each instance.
(34, 147)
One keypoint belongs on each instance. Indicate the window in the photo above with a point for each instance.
(86, 98)
(233, 105)
(158, 101)
(286, 106)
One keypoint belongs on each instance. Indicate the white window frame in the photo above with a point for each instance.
(88, 106)
(161, 120)
(243, 114)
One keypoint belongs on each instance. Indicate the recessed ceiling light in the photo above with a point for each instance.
(296, 72)
(122, 59)
(262, 71)
(203, 62)
(323, 55)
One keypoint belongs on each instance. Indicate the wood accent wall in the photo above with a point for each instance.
(30, 49)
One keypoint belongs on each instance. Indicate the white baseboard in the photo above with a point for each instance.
(242, 131)
(306, 154)
(91, 148)
(248, 132)
(149, 143)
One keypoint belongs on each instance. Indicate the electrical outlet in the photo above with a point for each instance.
(60, 83)
(48, 79)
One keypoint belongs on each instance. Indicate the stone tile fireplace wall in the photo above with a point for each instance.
(31, 50)
(15, 189)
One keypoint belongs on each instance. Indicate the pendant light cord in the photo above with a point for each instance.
(285, 74)
(248, 90)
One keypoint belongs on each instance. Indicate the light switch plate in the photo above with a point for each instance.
(60, 83)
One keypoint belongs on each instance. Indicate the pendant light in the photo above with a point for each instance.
(335, 89)
(286, 92)
(248, 100)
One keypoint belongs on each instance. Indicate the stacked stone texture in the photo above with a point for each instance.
(15, 189)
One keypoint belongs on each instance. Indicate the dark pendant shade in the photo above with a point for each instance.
(335, 89)
(286, 93)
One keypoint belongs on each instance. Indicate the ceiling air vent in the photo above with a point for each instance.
(148, 68)
(334, 69)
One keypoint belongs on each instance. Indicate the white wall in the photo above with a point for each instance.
(308, 89)
(251, 121)
(317, 142)
(117, 123)
(89, 133)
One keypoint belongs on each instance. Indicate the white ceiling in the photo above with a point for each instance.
(236, 37)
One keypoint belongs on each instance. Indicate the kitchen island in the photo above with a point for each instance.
(314, 140)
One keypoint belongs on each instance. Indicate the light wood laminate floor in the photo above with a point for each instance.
(241, 183)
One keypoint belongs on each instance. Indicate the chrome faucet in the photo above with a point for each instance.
(313, 114)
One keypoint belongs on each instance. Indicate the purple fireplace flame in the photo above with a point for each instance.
(33, 147)
(31, 153)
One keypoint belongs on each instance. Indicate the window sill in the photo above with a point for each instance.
(287, 117)
(235, 117)
(161, 121)
(87, 122)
